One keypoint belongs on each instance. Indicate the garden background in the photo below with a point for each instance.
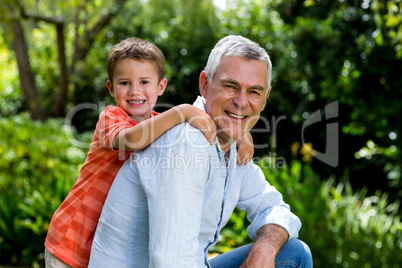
(344, 55)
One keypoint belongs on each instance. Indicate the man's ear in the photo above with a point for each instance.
(110, 87)
(162, 86)
(203, 84)
(269, 91)
(266, 98)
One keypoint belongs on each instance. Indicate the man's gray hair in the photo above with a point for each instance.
(236, 45)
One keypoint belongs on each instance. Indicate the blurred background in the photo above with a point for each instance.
(344, 55)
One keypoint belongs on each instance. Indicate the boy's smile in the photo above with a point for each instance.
(136, 87)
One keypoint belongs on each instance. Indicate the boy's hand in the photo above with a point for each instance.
(245, 149)
(199, 119)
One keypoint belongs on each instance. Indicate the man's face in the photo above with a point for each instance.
(236, 96)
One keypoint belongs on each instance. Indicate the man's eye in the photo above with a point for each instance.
(254, 92)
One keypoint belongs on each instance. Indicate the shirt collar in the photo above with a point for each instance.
(200, 103)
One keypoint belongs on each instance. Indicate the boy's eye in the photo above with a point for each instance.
(144, 82)
(124, 83)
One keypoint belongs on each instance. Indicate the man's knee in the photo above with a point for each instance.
(295, 253)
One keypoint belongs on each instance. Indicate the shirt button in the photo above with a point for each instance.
(222, 167)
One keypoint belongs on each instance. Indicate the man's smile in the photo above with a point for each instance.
(235, 115)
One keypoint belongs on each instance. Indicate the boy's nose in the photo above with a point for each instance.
(134, 90)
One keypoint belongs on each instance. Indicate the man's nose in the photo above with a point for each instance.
(240, 100)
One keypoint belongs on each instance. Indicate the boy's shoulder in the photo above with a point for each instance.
(114, 114)
(113, 110)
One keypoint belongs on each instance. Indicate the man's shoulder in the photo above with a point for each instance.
(181, 134)
(182, 140)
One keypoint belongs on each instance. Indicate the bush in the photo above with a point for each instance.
(38, 167)
(342, 228)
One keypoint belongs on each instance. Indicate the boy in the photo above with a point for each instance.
(136, 70)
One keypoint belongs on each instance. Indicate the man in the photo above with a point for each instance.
(169, 203)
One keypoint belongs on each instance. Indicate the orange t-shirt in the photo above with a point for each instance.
(73, 225)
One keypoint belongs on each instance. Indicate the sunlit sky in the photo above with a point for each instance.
(220, 3)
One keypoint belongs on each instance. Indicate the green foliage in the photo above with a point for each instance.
(322, 51)
(38, 166)
(388, 21)
(11, 98)
(342, 228)
(184, 30)
(325, 51)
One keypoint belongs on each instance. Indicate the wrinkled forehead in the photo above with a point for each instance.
(240, 70)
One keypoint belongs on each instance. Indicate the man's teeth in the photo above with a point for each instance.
(136, 102)
(236, 116)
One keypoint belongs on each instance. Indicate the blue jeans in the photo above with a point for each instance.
(294, 254)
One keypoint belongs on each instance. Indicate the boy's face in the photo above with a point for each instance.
(136, 87)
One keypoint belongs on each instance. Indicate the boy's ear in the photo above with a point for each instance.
(162, 86)
(203, 84)
(110, 87)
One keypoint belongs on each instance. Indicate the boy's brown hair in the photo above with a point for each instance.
(137, 49)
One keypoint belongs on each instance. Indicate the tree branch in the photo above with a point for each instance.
(77, 22)
(59, 22)
(27, 77)
(83, 47)
(28, 15)
(61, 48)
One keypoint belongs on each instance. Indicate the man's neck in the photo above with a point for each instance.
(225, 143)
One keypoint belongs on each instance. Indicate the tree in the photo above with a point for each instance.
(327, 51)
(86, 19)
(351, 51)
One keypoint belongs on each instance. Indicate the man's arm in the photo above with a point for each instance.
(270, 239)
(272, 222)
(264, 204)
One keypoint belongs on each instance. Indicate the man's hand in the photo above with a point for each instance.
(270, 239)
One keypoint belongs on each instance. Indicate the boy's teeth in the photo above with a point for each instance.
(136, 102)
(236, 116)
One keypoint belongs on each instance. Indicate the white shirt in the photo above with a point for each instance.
(169, 202)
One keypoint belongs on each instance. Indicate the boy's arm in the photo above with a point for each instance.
(245, 149)
(147, 131)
